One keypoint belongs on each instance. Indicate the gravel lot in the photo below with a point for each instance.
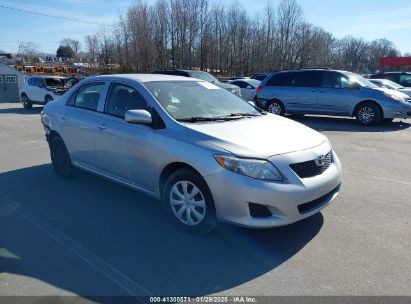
(89, 236)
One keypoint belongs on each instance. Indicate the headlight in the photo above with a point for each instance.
(258, 169)
(393, 95)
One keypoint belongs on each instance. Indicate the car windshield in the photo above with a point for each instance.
(392, 84)
(54, 82)
(360, 80)
(204, 76)
(195, 100)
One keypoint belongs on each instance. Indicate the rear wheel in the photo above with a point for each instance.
(60, 158)
(275, 107)
(189, 201)
(368, 114)
(26, 101)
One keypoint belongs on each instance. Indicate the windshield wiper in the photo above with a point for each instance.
(198, 118)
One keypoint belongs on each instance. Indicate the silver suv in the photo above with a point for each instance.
(197, 147)
(331, 92)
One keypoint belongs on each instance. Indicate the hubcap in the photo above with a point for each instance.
(366, 115)
(187, 203)
(274, 108)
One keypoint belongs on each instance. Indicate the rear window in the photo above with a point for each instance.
(279, 79)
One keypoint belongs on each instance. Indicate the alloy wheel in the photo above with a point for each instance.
(366, 115)
(274, 108)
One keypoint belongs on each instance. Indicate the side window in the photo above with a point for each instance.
(87, 96)
(31, 82)
(405, 79)
(121, 98)
(334, 80)
(280, 79)
(306, 79)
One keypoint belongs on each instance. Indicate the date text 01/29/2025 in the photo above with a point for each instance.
(204, 299)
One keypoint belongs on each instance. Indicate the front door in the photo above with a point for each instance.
(125, 151)
(335, 95)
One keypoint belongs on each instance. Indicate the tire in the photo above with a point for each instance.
(60, 158)
(368, 114)
(26, 101)
(275, 107)
(197, 214)
(47, 99)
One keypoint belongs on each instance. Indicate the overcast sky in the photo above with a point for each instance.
(361, 18)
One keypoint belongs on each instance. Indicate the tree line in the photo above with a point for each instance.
(224, 40)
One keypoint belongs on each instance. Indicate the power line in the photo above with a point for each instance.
(48, 15)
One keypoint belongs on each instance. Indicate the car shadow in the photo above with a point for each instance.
(344, 124)
(133, 233)
(21, 110)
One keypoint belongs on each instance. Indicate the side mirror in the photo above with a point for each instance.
(138, 117)
(353, 86)
(250, 87)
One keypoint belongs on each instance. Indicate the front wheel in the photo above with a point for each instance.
(26, 102)
(368, 114)
(275, 107)
(60, 158)
(189, 201)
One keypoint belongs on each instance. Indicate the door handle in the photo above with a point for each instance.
(322, 91)
(312, 90)
(101, 127)
(63, 117)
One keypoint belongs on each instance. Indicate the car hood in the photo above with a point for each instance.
(226, 85)
(257, 137)
(398, 93)
(406, 91)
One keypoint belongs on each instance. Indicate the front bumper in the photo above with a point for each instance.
(288, 202)
(403, 110)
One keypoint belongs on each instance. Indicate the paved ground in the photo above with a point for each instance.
(88, 236)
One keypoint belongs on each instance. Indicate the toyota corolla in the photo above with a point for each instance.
(207, 154)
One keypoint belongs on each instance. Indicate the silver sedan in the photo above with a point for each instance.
(206, 153)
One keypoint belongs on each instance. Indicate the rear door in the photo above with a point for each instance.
(300, 96)
(335, 96)
(79, 123)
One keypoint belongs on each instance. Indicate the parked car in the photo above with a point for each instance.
(331, 92)
(260, 76)
(402, 78)
(200, 75)
(247, 87)
(388, 84)
(207, 154)
(41, 90)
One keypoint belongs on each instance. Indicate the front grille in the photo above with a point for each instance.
(313, 168)
(315, 204)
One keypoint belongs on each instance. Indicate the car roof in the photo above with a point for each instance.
(144, 77)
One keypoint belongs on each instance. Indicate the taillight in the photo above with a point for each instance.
(259, 89)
